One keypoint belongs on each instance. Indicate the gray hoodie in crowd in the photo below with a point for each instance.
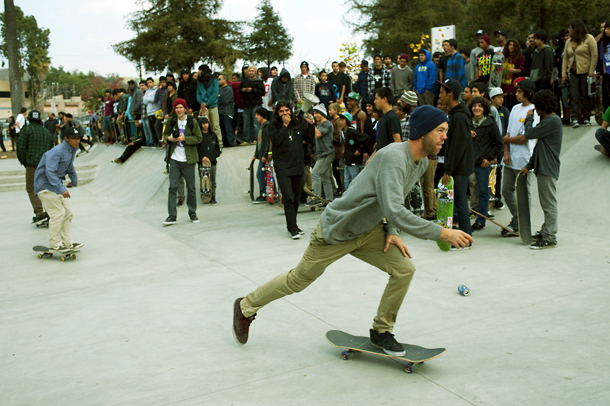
(379, 192)
(281, 90)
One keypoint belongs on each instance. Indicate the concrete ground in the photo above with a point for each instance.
(143, 315)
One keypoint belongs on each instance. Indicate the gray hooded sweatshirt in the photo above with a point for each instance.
(281, 90)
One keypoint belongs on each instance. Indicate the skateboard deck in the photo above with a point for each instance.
(42, 223)
(505, 231)
(270, 186)
(414, 354)
(251, 169)
(523, 209)
(495, 79)
(415, 199)
(205, 172)
(444, 210)
(45, 252)
(319, 200)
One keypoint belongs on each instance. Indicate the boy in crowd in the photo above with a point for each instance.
(325, 154)
(483, 61)
(545, 162)
(541, 69)
(401, 79)
(356, 145)
(603, 135)
(424, 80)
(389, 129)
(54, 165)
(262, 152)
(404, 129)
(208, 151)
(324, 90)
(517, 149)
(497, 102)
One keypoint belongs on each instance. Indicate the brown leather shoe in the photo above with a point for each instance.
(241, 324)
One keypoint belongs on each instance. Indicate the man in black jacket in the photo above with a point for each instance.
(253, 90)
(459, 153)
(226, 110)
(187, 90)
(287, 134)
(208, 151)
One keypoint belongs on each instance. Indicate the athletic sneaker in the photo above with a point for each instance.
(213, 200)
(513, 226)
(587, 123)
(180, 202)
(542, 243)
(194, 219)
(387, 343)
(259, 200)
(499, 205)
(76, 245)
(295, 234)
(536, 236)
(169, 221)
(59, 248)
(575, 123)
(241, 324)
(301, 232)
(477, 226)
(117, 161)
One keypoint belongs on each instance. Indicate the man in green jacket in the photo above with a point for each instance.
(183, 134)
(34, 140)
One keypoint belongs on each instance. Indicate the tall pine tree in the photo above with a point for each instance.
(269, 41)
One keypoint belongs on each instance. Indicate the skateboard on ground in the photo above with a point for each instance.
(413, 354)
(444, 210)
(46, 252)
(270, 187)
(317, 201)
(523, 209)
(505, 231)
(205, 173)
(251, 169)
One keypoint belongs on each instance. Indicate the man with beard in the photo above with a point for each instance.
(364, 223)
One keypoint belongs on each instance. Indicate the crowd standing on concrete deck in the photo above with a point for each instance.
(499, 97)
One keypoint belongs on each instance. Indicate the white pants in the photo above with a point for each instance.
(60, 214)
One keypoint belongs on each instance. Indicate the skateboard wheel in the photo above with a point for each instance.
(63, 259)
(345, 355)
(409, 369)
(73, 256)
(40, 256)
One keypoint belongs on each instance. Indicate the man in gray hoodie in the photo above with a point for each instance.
(365, 223)
(282, 87)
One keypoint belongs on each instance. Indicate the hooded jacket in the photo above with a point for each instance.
(487, 143)
(188, 91)
(281, 90)
(255, 97)
(459, 150)
(287, 146)
(209, 94)
(424, 79)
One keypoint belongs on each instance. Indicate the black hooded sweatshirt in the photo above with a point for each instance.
(459, 150)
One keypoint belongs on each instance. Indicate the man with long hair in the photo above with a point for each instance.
(514, 67)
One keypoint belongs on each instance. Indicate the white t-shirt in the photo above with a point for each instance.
(520, 154)
(21, 121)
(267, 95)
(179, 152)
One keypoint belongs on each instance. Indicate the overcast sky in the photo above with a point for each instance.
(83, 30)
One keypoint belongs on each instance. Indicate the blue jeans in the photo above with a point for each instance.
(349, 174)
(147, 131)
(461, 213)
(482, 175)
(226, 128)
(250, 124)
(262, 179)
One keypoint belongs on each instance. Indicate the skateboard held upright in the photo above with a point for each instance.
(205, 174)
(523, 209)
(270, 187)
(444, 210)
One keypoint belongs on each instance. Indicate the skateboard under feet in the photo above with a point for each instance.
(46, 252)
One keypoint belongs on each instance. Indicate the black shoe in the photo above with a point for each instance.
(259, 200)
(295, 234)
(241, 324)
(194, 219)
(387, 343)
(542, 243)
(477, 226)
(499, 205)
(169, 221)
(213, 200)
(180, 202)
(301, 232)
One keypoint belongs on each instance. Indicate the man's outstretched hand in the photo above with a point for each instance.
(456, 238)
(396, 240)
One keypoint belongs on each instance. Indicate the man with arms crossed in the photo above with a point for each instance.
(355, 225)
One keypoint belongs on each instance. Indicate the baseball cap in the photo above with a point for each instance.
(495, 91)
(481, 32)
(70, 132)
(364, 63)
(347, 116)
(304, 63)
(503, 33)
(353, 95)
(34, 115)
(453, 86)
(526, 84)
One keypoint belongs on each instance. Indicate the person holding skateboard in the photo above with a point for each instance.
(355, 225)
(208, 150)
(54, 165)
(545, 162)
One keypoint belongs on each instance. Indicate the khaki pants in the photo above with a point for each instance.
(215, 123)
(307, 177)
(60, 214)
(428, 189)
(319, 255)
(29, 187)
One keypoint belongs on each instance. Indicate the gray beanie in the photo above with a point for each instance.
(321, 109)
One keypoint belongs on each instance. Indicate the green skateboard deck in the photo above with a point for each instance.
(444, 210)
(523, 209)
(413, 354)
